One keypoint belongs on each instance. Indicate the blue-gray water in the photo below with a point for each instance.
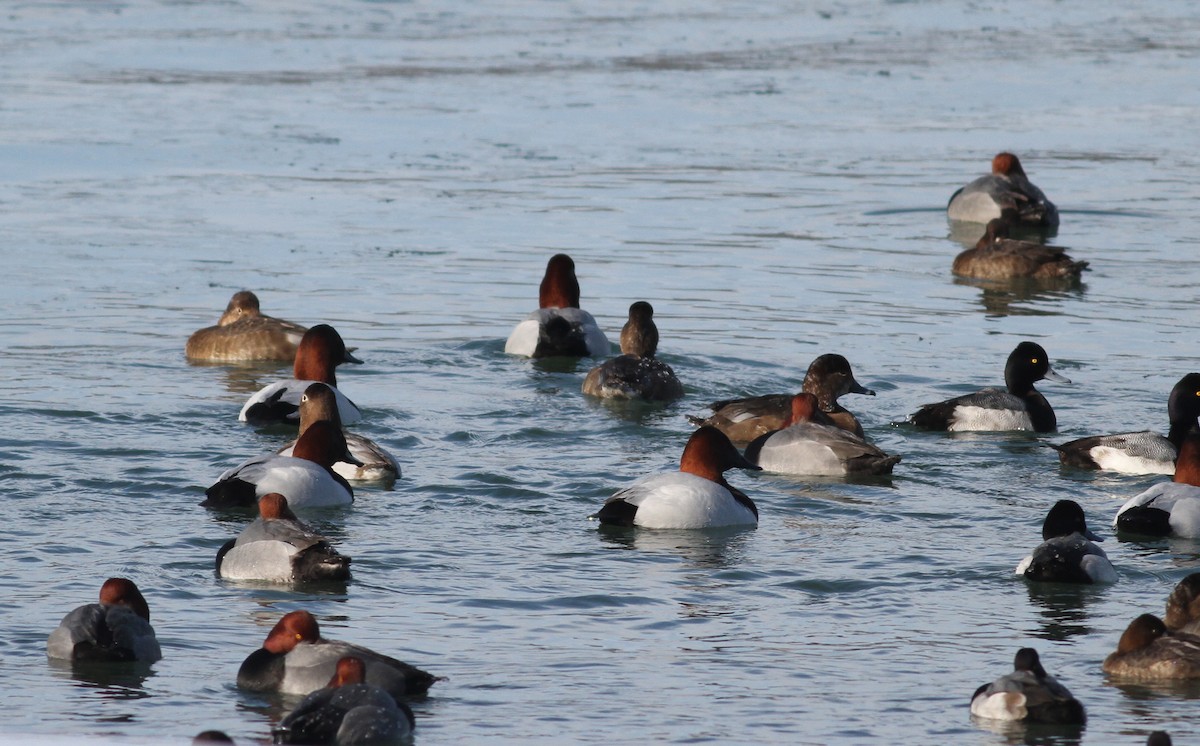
(771, 178)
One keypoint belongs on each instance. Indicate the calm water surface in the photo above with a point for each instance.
(772, 179)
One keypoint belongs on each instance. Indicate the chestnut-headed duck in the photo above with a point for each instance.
(1067, 554)
(1168, 508)
(245, 333)
(810, 448)
(1029, 694)
(1021, 407)
(347, 711)
(116, 629)
(1183, 606)
(636, 374)
(559, 328)
(998, 257)
(295, 659)
(277, 547)
(1148, 652)
(319, 402)
(1005, 188)
(320, 352)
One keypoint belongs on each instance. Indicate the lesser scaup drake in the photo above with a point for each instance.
(807, 447)
(295, 659)
(347, 711)
(1067, 554)
(116, 629)
(319, 402)
(277, 547)
(1005, 188)
(828, 378)
(1141, 452)
(696, 496)
(636, 374)
(998, 257)
(1168, 508)
(321, 350)
(1021, 407)
(245, 333)
(1028, 693)
(1147, 652)
(559, 327)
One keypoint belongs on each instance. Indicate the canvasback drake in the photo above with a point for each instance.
(306, 477)
(636, 374)
(245, 333)
(1147, 652)
(828, 378)
(1168, 508)
(1029, 694)
(295, 659)
(1067, 554)
(1183, 606)
(320, 351)
(559, 327)
(1021, 407)
(998, 257)
(696, 496)
(116, 629)
(278, 547)
(347, 711)
(807, 447)
(1141, 452)
(1005, 188)
(319, 402)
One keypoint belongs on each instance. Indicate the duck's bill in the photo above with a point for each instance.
(1052, 376)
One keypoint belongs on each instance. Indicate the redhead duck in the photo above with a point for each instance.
(828, 378)
(1142, 452)
(347, 711)
(319, 402)
(306, 477)
(807, 447)
(320, 351)
(1147, 652)
(1029, 694)
(245, 333)
(696, 496)
(278, 547)
(116, 629)
(636, 374)
(1168, 508)
(295, 659)
(1067, 554)
(1005, 188)
(1021, 407)
(998, 257)
(559, 327)
(1183, 606)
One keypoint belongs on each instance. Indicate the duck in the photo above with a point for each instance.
(115, 629)
(1158, 738)
(1168, 508)
(828, 378)
(998, 257)
(319, 402)
(295, 659)
(636, 374)
(320, 351)
(1005, 188)
(243, 334)
(347, 711)
(1148, 652)
(1021, 407)
(1183, 606)
(1067, 554)
(696, 496)
(306, 477)
(559, 328)
(810, 448)
(278, 547)
(1142, 452)
(1029, 694)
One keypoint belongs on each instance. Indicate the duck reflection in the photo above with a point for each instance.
(1003, 297)
(111, 681)
(1034, 734)
(710, 548)
(1063, 607)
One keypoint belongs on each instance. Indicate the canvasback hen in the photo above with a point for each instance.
(696, 496)
(244, 333)
(1029, 694)
(278, 547)
(1148, 652)
(636, 374)
(828, 378)
(998, 257)
(1020, 407)
(115, 629)
(1005, 188)
(319, 402)
(321, 350)
(1067, 554)
(810, 448)
(295, 659)
(559, 327)
(347, 711)
(1168, 508)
